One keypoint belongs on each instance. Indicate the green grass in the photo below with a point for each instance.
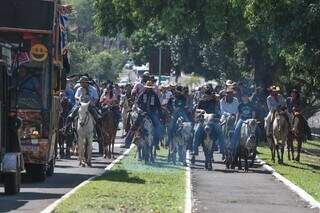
(305, 173)
(132, 186)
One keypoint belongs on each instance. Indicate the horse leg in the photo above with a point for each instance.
(89, 150)
(238, 157)
(289, 146)
(253, 157)
(81, 151)
(246, 167)
(112, 145)
(299, 149)
(278, 154)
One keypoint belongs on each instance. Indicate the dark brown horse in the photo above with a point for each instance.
(109, 125)
(300, 131)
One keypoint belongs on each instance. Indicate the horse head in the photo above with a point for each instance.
(251, 126)
(83, 113)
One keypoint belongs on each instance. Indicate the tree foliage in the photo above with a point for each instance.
(270, 41)
(88, 51)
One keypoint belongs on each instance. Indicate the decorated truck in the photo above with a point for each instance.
(34, 29)
(11, 160)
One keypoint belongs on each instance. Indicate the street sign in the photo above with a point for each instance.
(165, 61)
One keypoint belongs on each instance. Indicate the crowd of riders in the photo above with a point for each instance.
(165, 104)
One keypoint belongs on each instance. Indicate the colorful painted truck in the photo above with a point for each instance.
(34, 31)
(11, 160)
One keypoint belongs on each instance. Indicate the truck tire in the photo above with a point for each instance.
(12, 182)
(37, 172)
(50, 169)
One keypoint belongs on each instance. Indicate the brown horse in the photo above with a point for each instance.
(300, 131)
(109, 125)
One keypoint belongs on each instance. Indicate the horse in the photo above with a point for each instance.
(109, 126)
(300, 132)
(126, 111)
(85, 128)
(280, 132)
(66, 133)
(180, 141)
(143, 135)
(228, 130)
(248, 143)
(209, 139)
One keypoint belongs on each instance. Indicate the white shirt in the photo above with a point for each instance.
(229, 108)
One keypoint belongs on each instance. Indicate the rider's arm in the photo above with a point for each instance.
(94, 94)
(78, 94)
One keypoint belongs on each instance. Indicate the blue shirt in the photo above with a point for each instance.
(70, 95)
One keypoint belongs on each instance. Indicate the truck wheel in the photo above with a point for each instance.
(12, 182)
(50, 169)
(36, 171)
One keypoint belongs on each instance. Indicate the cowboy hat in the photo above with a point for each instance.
(230, 83)
(149, 84)
(275, 88)
(83, 79)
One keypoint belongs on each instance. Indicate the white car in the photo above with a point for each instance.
(123, 82)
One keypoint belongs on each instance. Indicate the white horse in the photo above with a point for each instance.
(85, 130)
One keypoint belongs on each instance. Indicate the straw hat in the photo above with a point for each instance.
(84, 79)
(230, 83)
(149, 84)
(275, 88)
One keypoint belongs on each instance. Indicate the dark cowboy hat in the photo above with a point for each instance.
(179, 89)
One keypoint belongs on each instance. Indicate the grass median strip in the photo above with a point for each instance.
(306, 173)
(132, 186)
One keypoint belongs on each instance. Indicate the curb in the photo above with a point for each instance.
(188, 203)
(300, 192)
(54, 205)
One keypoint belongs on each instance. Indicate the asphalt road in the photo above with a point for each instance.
(225, 191)
(36, 196)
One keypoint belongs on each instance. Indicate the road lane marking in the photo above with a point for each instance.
(188, 203)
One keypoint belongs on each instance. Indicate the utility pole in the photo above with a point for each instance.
(160, 59)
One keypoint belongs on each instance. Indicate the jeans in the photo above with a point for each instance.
(235, 140)
(155, 118)
(173, 123)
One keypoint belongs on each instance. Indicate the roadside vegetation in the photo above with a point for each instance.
(132, 186)
(306, 173)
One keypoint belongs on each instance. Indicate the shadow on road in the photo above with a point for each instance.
(14, 202)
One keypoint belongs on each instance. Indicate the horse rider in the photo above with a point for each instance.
(246, 110)
(148, 102)
(88, 90)
(138, 88)
(180, 110)
(275, 101)
(228, 104)
(110, 99)
(209, 103)
(294, 100)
